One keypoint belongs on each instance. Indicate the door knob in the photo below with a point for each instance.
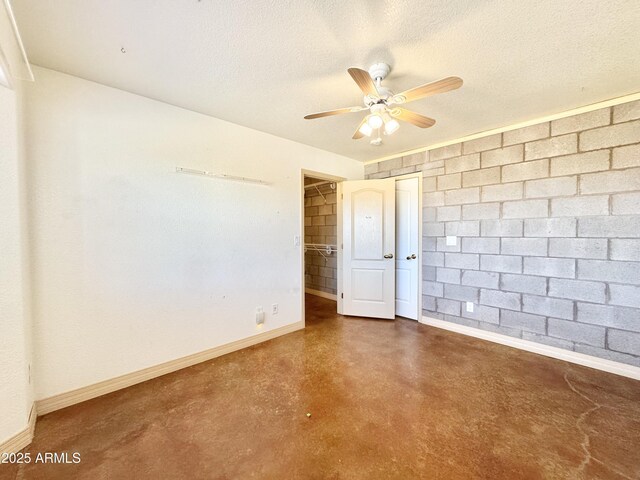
(411, 257)
(389, 255)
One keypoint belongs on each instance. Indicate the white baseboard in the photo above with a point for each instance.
(318, 293)
(72, 397)
(22, 438)
(567, 355)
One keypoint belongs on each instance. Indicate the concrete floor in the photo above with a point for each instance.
(388, 399)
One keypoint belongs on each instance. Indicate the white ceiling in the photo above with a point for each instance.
(266, 63)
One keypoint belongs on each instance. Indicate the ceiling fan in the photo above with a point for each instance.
(382, 103)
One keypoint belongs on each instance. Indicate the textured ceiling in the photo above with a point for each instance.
(265, 64)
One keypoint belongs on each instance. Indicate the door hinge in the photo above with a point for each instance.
(342, 295)
(342, 196)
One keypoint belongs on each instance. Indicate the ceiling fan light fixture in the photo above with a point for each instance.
(365, 129)
(391, 126)
(381, 102)
(375, 121)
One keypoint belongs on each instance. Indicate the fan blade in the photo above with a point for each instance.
(413, 118)
(334, 112)
(358, 133)
(364, 81)
(440, 86)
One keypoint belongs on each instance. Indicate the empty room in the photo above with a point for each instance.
(393, 239)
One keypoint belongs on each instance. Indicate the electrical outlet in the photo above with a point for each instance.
(470, 307)
(274, 309)
(296, 241)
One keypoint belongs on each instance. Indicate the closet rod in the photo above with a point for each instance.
(318, 184)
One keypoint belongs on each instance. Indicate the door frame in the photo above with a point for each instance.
(417, 175)
(323, 176)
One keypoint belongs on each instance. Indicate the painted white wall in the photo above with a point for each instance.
(133, 264)
(15, 334)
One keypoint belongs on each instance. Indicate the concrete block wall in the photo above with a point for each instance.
(320, 226)
(547, 220)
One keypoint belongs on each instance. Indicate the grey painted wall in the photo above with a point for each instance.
(547, 220)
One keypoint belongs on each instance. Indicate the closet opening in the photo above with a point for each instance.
(320, 242)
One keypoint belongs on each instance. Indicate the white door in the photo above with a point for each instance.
(407, 247)
(368, 232)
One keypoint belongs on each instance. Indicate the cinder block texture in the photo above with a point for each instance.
(462, 163)
(625, 203)
(480, 245)
(502, 156)
(525, 171)
(613, 181)
(612, 136)
(477, 278)
(533, 247)
(552, 227)
(448, 275)
(524, 321)
(625, 249)
(507, 191)
(469, 228)
(607, 271)
(462, 293)
(526, 134)
(547, 306)
(578, 247)
(524, 284)
(501, 228)
(609, 316)
(580, 206)
(485, 176)
(550, 267)
(577, 332)
(548, 225)
(551, 147)
(580, 163)
(441, 153)
(449, 182)
(618, 226)
(461, 196)
(483, 143)
(551, 187)
(625, 295)
(525, 209)
(577, 290)
(501, 263)
(626, 111)
(481, 211)
(584, 121)
(626, 342)
(624, 157)
(483, 313)
(500, 299)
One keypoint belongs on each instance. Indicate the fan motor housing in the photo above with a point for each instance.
(384, 92)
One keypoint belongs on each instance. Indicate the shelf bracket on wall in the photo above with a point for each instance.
(221, 176)
(319, 192)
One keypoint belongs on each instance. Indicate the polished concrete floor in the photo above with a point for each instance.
(388, 400)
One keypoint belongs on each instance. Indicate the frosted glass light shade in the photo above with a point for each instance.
(375, 121)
